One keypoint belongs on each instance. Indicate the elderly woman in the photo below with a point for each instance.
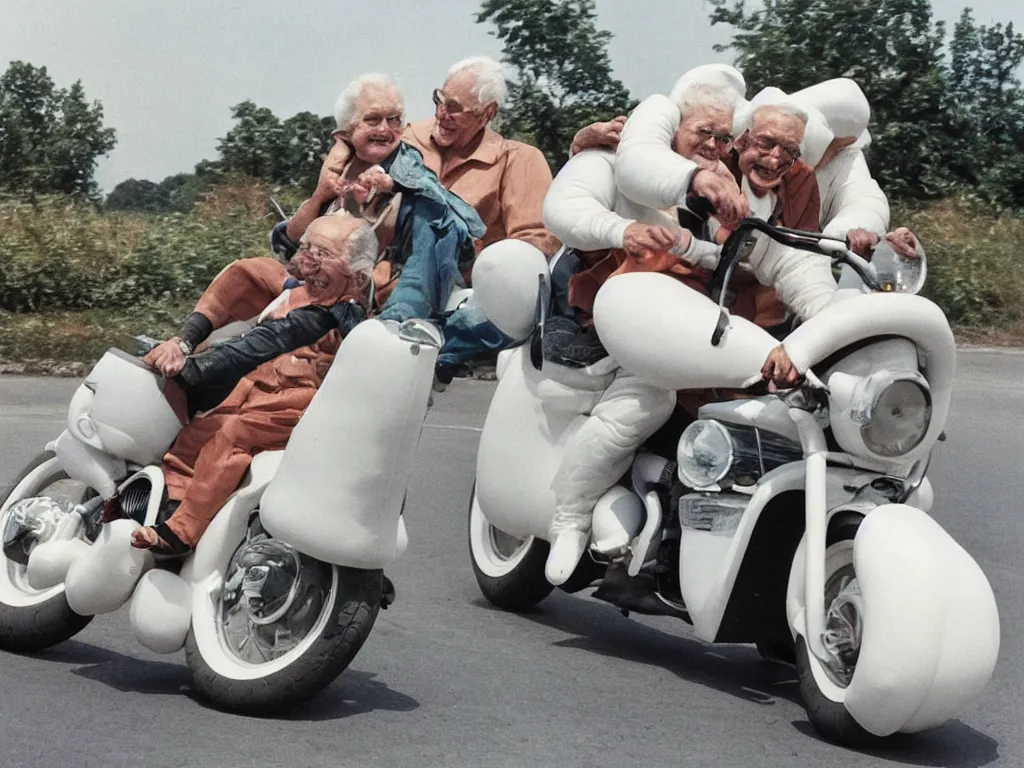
(423, 232)
(211, 454)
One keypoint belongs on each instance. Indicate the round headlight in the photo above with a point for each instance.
(704, 454)
(899, 419)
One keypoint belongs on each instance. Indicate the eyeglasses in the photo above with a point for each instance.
(720, 138)
(393, 121)
(316, 251)
(766, 145)
(451, 106)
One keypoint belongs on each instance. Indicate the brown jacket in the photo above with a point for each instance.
(798, 207)
(504, 180)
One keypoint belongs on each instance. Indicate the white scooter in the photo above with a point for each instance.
(797, 521)
(286, 583)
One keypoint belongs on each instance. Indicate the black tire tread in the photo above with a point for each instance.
(830, 718)
(523, 587)
(355, 610)
(35, 628)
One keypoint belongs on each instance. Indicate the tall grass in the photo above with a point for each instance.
(74, 281)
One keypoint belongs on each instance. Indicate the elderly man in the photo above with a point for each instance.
(211, 454)
(585, 209)
(424, 232)
(503, 180)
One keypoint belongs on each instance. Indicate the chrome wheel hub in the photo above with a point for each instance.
(505, 545)
(844, 626)
(272, 598)
(30, 522)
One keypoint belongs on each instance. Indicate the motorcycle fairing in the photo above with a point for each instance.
(339, 490)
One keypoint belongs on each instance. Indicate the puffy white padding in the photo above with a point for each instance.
(338, 491)
(618, 517)
(121, 410)
(843, 104)
(506, 278)
(720, 77)
(49, 563)
(103, 579)
(660, 330)
(161, 611)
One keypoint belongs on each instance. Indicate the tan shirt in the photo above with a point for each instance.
(504, 180)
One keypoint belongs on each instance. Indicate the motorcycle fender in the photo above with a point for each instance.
(526, 432)
(227, 530)
(931, 626)
(338, 493)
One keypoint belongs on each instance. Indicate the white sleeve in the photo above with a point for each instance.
(853, 199)
(578, 208)
(802, 280)
(647, 170)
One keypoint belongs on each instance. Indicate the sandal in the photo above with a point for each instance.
(167, 544)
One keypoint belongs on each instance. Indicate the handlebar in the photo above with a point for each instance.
(813, 242)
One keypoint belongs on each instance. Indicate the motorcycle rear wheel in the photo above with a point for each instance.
(245, 661)
(508, 570)
(31, 619)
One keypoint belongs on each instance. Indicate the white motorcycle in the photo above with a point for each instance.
(797, 521)
(286, 583)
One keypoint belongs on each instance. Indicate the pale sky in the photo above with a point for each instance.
(168, 71)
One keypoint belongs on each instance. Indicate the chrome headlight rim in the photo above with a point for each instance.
(686, 463)
(867, 413)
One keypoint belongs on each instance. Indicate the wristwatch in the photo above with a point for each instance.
(185, 347)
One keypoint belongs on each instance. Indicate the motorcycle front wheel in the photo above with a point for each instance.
(34, 619)
(280, 628)
(509, 570)
(822, 685)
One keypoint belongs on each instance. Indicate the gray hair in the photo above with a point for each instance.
(786, 107)
(702, 95)
(490, 82)
(345, 107)
(362, 250)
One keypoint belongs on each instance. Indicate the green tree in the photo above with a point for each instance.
(563, 74)
(50, 138)
(892, 48)
(987, 102)
(139, 195)
(286, 152)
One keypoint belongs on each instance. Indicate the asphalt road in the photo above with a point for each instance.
(445, 680)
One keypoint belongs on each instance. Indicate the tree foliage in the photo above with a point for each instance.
(563, 74)
(50, 138)
(942, 120)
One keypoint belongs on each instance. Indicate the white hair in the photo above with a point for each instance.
(703, 95)
(362, 250)
(786, 108)
(345, 107)
(490, 84)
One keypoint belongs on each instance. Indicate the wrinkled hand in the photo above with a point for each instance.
(640, 238)
(861, 242)
(778, 370)
(904, 242)
(721, 190)
(166, 358)
(369, 182)
(598, 135)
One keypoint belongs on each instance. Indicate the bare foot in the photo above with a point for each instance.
(147, 538)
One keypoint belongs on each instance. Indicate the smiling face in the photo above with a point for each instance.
(458, 114)
(704, 135)
(326, 239)
(376, 128)
(770, 148)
